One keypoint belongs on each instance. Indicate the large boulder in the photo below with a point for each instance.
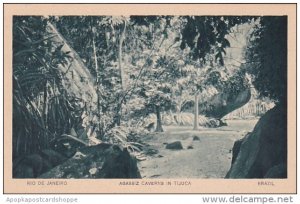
(60, 149)
(224, 103)
(236, 149)
(278, 171)
(263, 152)
(31, 166)
(100, 161)
(174, 145)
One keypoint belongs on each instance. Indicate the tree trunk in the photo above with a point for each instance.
(196, 119)
(121, 40)
(122, 75)
(97, 88)
(158, 120)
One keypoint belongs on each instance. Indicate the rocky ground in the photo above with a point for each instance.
(205, 153)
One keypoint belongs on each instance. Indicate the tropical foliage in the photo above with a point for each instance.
(266, 56)
(99, 77)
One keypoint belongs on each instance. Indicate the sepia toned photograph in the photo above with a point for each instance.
(156, 99)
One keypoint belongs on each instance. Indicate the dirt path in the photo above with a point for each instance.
(209, 158)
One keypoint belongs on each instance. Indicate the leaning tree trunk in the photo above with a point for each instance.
(78, 81)
(158, 120)
(196, 112)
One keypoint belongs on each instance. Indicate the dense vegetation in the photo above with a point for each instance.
(138, 66)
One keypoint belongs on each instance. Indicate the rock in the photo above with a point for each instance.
(222, 123)
(213, 123)
(220, 104)
(236, 149)
(99, 161)
(53, 157)
(196, 138)
(223, 103)
(60, 149)
(174, 145)
(263, 153)
(28, 166)
(190, 147)
(31, 166)
(278, 171)
(67, 145)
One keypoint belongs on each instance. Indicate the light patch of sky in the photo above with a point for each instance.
(238, 41)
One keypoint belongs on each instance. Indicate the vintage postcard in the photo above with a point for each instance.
(149, 98)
